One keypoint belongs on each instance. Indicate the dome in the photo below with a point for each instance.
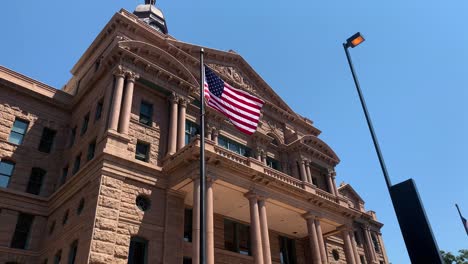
(152, 16)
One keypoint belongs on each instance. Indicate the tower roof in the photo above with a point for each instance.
(151, 15)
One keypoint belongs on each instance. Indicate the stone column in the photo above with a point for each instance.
(255, 233)
(215, 136)
(330, 183)
(209, 223)
(348, 247)
(313, 240)
(209, 131)
(258, 154)
(196, 222)
(127, 103)
(303, 171)
(382, 248)
(181, 126)
(334, 184)
(172, 144)
(354, 246)
(323, 251)
(264, 158)
(369, 245)
(309, 174)
(116, 99)
(264, 231)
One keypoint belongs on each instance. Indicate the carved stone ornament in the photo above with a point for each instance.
(131, 76)
(119, 71)
(174, 98)
(234, 75)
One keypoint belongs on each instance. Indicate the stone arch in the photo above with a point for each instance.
(320, 145)
(140, 48)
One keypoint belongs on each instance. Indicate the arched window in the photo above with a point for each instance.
(138, 252)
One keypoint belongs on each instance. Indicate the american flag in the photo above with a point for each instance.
(242, 109)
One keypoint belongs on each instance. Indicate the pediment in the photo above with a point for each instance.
(349, 192)
(241, 79)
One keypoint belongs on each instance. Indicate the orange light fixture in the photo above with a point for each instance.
(355, 40)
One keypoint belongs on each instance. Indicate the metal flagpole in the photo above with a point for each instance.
(461, 217)
(202, 163)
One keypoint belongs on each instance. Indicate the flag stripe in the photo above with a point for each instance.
(242, 109)
(258, 101)
(238, 119)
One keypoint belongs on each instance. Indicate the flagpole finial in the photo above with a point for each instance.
(202, 50)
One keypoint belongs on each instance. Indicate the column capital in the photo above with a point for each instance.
(183, 101)
(345, 227)
(312, 215)
(174, 98)
(131, 76)
(331, 172)
(119, 71)
(251, 195)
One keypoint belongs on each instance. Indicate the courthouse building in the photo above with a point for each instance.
(105, 170)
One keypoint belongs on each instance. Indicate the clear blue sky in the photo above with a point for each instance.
(412, 69)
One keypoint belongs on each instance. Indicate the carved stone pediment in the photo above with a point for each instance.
(239, 80)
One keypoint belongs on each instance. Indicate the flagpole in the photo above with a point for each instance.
(461, 217)
(202, 241)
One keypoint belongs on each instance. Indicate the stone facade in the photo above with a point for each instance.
(282, 187)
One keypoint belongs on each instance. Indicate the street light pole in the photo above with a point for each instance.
(369, 121)
(414, 225)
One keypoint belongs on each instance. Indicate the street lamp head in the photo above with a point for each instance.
(354, 40)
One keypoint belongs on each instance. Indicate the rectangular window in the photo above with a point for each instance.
(99, 107)
(272, 163)
(6, 170)
(191, 129)
(84, 127)
(76, 165)
(233, 146)
(18, 131)
(188, 214)
(47, 140)
(91, 149)
(23, 227)
(357, 238)
(63, 178)
(142, 151)
(72, 254)
(35, 181)
(72, 136)
(287, 250)
(375, 241)
(58, 257)
(146, 113)
(187, 260)
(236, 237)
(138, 252)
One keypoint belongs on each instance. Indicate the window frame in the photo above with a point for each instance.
(11, 172)
(234, 146)
(191, 130)
(99, 108)
(22, 242)
(47, 140)
(73, 252)
(148, 150)
(85, 124)
(238, 230)
(36, 182)
(146, 118)
(91, 150)
(133, 241)
(22, 134)
(289, 245)
(76, 164)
